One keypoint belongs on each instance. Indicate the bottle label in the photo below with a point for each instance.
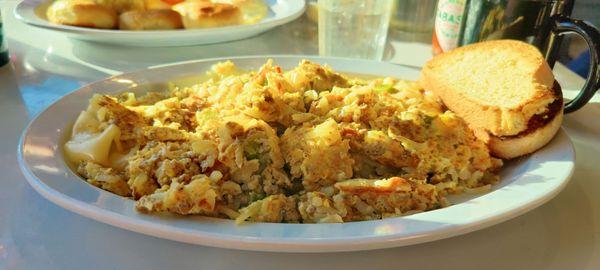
(447, 23)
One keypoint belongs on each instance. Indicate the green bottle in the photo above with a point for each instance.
(3, 49)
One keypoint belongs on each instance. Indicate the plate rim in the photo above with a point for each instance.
(257, 243)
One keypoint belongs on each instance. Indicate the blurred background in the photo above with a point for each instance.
(413, 21)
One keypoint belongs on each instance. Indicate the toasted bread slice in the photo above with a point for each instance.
(516, 146)
(504, 90)
(496, 85)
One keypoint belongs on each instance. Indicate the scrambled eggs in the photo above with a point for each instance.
(304, 146)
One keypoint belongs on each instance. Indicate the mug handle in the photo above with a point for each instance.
(563, 25)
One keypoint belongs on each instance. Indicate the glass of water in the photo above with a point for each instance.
(353, 28)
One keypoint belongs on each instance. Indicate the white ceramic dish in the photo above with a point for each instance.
(280, 12)
(526, 183)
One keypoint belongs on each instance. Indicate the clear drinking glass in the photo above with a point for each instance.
(353, 28)
(413, 16)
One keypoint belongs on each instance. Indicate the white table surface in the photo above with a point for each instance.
(36, 234)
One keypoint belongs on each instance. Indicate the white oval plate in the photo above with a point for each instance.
(280, 12)
(525, 183)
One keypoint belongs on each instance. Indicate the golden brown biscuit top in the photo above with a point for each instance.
(209, 9)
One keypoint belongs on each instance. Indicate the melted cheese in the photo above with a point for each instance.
(92, 146)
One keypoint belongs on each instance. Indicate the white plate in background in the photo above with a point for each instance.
(280, 12)
(525, 184)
